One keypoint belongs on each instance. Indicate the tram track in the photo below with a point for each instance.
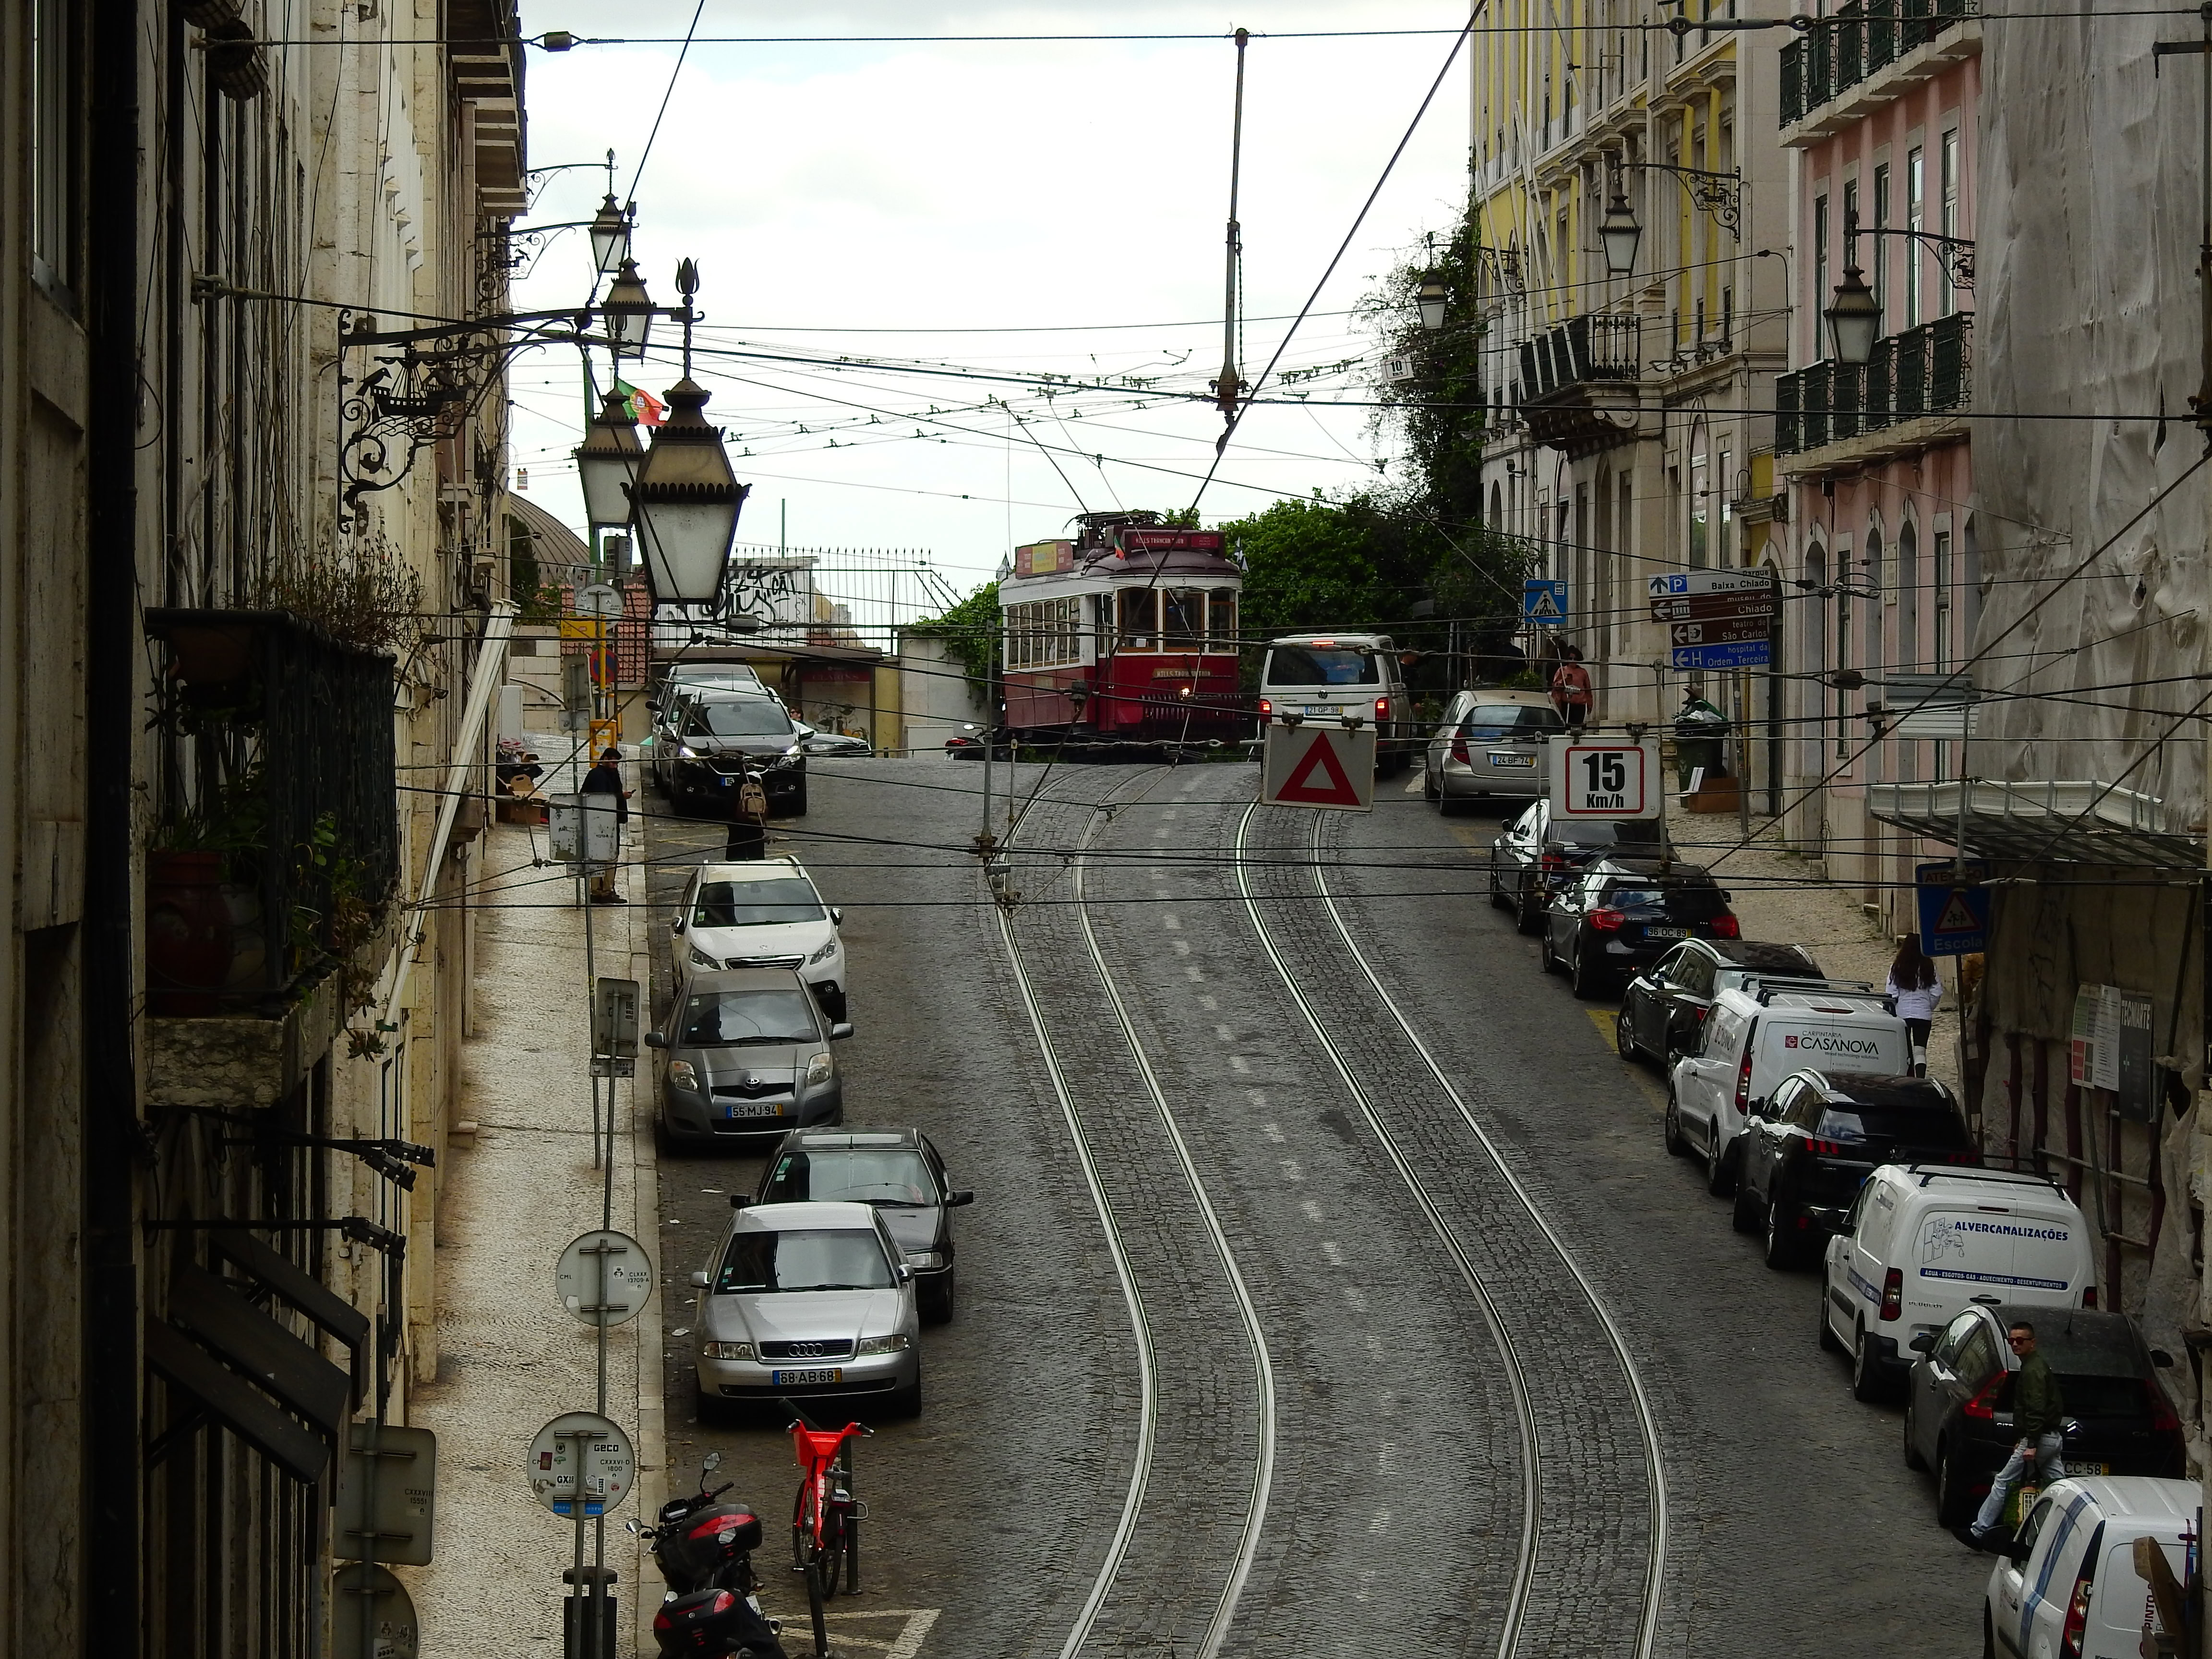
(1550, 1572)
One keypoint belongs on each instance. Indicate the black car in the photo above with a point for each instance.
(1622, 914)
(815, 742)
(1664, 1006)
(898, 1171)
(1537, 854)
(1957, 1402)
(1811, 1144)
(721, 735)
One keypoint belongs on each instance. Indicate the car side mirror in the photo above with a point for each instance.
(2016, 1549)
(1756, 1109)
(675, 924)
(698, 1280)
(841, 1030)
(1923, 1343)
(656, 1039)
(836, 917)
(2160, 1357)
(905, 1274)
(738, 1201)
(651, 706)
(954, 1200)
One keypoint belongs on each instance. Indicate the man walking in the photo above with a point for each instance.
(605, 779)
(2039, 1416)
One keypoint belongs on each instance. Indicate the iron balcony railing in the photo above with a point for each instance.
(1923, 371)
(1863, 39)
(1579, 350)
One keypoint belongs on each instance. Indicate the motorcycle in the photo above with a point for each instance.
(704, 1550)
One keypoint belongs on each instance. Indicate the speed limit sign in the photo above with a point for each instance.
(1606, 778)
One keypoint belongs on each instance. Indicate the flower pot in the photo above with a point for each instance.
(190, 942)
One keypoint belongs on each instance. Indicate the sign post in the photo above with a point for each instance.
(1318, 764)
(582, 1466)
(1605, 778)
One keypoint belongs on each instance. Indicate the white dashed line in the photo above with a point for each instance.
(1272, 1132)
(1334, 1252)
(1182, 949)
(1357, 1299)
(1291, 1169)
(1238, 1063)
(1171, 924)
(1311, 1207)
(1208, 1004)
(1192, 972)
(1222, 1032)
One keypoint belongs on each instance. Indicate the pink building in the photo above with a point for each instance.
(1880, 536)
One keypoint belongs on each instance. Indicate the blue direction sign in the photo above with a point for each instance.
(1954, 915)
(1544, 601)
(1738, 653)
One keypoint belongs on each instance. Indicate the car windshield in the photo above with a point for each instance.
(720, 1019)
(1677, 899)
(894, 1175)
(804, 1259)
(1317, 664)
(1902, 1124)
(736, 717)
(1496, 722)
(757, 903)
(1634, 832)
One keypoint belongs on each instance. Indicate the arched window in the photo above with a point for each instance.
(1908, 598)
(1814, 711)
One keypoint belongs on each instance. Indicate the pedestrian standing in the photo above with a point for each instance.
(1915, 989)
(749, 822)
(605, 779)
(1571, 689)
(2038, 1419)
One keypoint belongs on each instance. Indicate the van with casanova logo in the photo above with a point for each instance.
(1756, 1036)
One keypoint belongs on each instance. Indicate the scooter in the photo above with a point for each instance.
(704, 1550)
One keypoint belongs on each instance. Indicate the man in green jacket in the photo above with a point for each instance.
(2039, 1418)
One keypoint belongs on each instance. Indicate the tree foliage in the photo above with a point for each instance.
(970, 631)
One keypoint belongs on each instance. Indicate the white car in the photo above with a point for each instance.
(762, 913)
(1340, 677)
(1758, 1033)
(2070, 1584)
(1922, 1241)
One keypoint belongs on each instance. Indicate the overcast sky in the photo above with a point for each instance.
(929, 202)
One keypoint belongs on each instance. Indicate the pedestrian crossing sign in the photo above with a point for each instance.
(1544, 601)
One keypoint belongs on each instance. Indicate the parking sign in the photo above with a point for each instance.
(1606, 778)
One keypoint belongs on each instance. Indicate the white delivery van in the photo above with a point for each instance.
(1922, 1241)
(2074, 1582)
(1756, 1036)
(1339, 675)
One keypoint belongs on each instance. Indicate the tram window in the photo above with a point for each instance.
(1064, 648)
(1138, 618)
(1184, 623)
(1221, 620)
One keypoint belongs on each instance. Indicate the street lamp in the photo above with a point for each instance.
(1433, 297)
(1621, 234)
(1854, 317)
(609, 233)
(628, 312)
(608, 461)
(685, 502)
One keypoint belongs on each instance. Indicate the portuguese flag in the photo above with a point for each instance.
(644, 408)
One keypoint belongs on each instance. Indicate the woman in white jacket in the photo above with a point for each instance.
(1916, 990)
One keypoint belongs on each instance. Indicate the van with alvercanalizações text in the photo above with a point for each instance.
(1924, 1241)
(1757, 1035)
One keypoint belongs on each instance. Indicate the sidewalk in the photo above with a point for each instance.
(1781, 899)
(511, 1197)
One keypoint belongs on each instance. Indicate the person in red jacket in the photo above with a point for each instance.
(1571, 689)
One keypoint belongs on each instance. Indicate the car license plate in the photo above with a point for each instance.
(1529, 761)
(726, 783)
(1320, 709)
(800, 1379)
(753, 1108)
(2075, 1466)
(1666, 933)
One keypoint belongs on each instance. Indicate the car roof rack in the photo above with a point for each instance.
(1928, 1172)
(1765, 985)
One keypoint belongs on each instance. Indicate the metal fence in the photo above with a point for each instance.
(1864, 39)
(1923, 371)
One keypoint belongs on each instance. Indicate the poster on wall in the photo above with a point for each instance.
(2138, 1083)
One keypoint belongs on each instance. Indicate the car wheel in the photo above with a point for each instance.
(1624, 1037)
(1447, 807)
(1497, 899)
(1429, 785)
(1720, 1171)
(1953, 1502)
(1988, 1634)
(1526, 917)
(937, 1306)
(1867, 1383)
(1780, 1247)
(1828, 1342)
(1913, 1460)
(796, 806)
(1544, 959)
(1747, 1212)
(1670, 1125)
(1589, 982)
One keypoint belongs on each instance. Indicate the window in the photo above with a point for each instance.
(1915, 213)
(1947, 180)
(1138, 616)
(775, 1019)
(58, 146)
(1698, 493)
(1940, 580)
(1183, 626)
(775, 902)
(1816, 657)
(1880, 209)
(805, 1259)
(1221, 618)
(1842, 729)
(1819, 276)
(1727, 508)
(1908, 599)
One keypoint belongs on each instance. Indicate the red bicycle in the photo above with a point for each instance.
(825, 1517)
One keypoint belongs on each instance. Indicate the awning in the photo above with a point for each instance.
(2063, 821)
(237, 1404)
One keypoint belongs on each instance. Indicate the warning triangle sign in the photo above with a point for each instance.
(1319, 779)
(1545, 604)
(1958, 916)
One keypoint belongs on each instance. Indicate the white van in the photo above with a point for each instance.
(1756, 1036)
(1329, 675)
(2073, 1581)
(1922, 1241)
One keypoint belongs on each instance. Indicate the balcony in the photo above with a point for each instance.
(1904, 398)
(1577, 389)
(1868, 39)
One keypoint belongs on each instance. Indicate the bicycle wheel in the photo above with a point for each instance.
(825, 1558)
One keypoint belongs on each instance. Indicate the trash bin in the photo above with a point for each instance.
(1699, 731)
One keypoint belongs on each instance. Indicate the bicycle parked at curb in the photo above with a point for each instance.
(825, 1517)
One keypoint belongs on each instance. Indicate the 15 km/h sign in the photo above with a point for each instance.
(1319, 765)
(1606, 778)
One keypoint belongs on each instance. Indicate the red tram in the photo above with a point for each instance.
(1128, 632)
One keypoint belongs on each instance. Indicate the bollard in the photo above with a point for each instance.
(588, 1619)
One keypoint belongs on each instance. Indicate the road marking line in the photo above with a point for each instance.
(1222, 1032)
(905, 1644)
(1330, 1248)
(1652, 1092)
(1238, 1063)
(1413, 785)
(1358, 1298)
(1291, 1169)
(1311, 1207)
(1209, 1004)
(1274, 1133)
(1192, 972)
(1182, 949)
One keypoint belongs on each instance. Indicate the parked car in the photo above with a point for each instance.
(1489, 743)
(677, 685)
(721, 734)
(747, 1054)
(896, 1170)
(695, 674)
(1958, 1400)
(967, 744)
(1329, 676)
(1663, 1008)
(802, 1300)
(1921, 1242)
(830, 743)
(762, 913)
(2069, 1587)
(1624, 913)
(1756, 1036)
(1811, 1143)
(1537, 854)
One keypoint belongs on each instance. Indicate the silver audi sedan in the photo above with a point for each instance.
(807, 1300)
